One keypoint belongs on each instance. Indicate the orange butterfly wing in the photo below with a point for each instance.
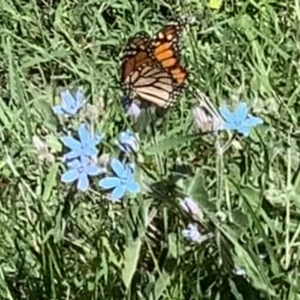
(135, 55)
(144, 54)
(167, 51)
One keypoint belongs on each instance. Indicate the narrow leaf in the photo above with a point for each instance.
(132, 253)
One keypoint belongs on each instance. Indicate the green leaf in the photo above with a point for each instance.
(240, 218)
(168, 144)
(50, 182)
(235, 290)
(49, 119)
(198, 192)
(175, 251)
(53, 143)
(161, 284)
(215, 4)
(131, 256)
(252, 195)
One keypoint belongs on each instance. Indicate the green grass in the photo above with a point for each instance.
(58, 243)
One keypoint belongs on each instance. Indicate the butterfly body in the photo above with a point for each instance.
(151, 69)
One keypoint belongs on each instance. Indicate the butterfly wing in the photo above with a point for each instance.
(151, 68)
(143, 75)
(136, 54)
(166, 48)
(155, 85)
(164, 81)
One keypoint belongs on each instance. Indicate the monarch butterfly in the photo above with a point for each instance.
(151, 68)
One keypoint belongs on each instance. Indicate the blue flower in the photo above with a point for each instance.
(191, 233)
(122, 182)
(128, 142)
(131, 107)
(70, 105)
(80, 170)
(85, 147)
(238, 120)
(191, 207)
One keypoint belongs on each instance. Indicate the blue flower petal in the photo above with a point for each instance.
(118, 168)
(244, 130)
(91, 151)
(70, 176)
(118, 192)
(83, 182)
(130, 168)
(85, 161)
(71, 143)
(68, 100)
(191, 233)
(84, 134)
(241, 111)
(93, 170)
(72, 154)
(228, 126)
(84, 147)
(226, 114)
(239, 121)
(125, 136)
(109, 182)
(133, 187)
(120, 146)
(252, 121)
(79, 96)
(69, 105)
(58, 110)
(128, 142)
(74, 164)
(96, 140)
(186, 233)
(134, 111)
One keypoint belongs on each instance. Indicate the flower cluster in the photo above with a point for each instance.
(208, 118)
(81, 159)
